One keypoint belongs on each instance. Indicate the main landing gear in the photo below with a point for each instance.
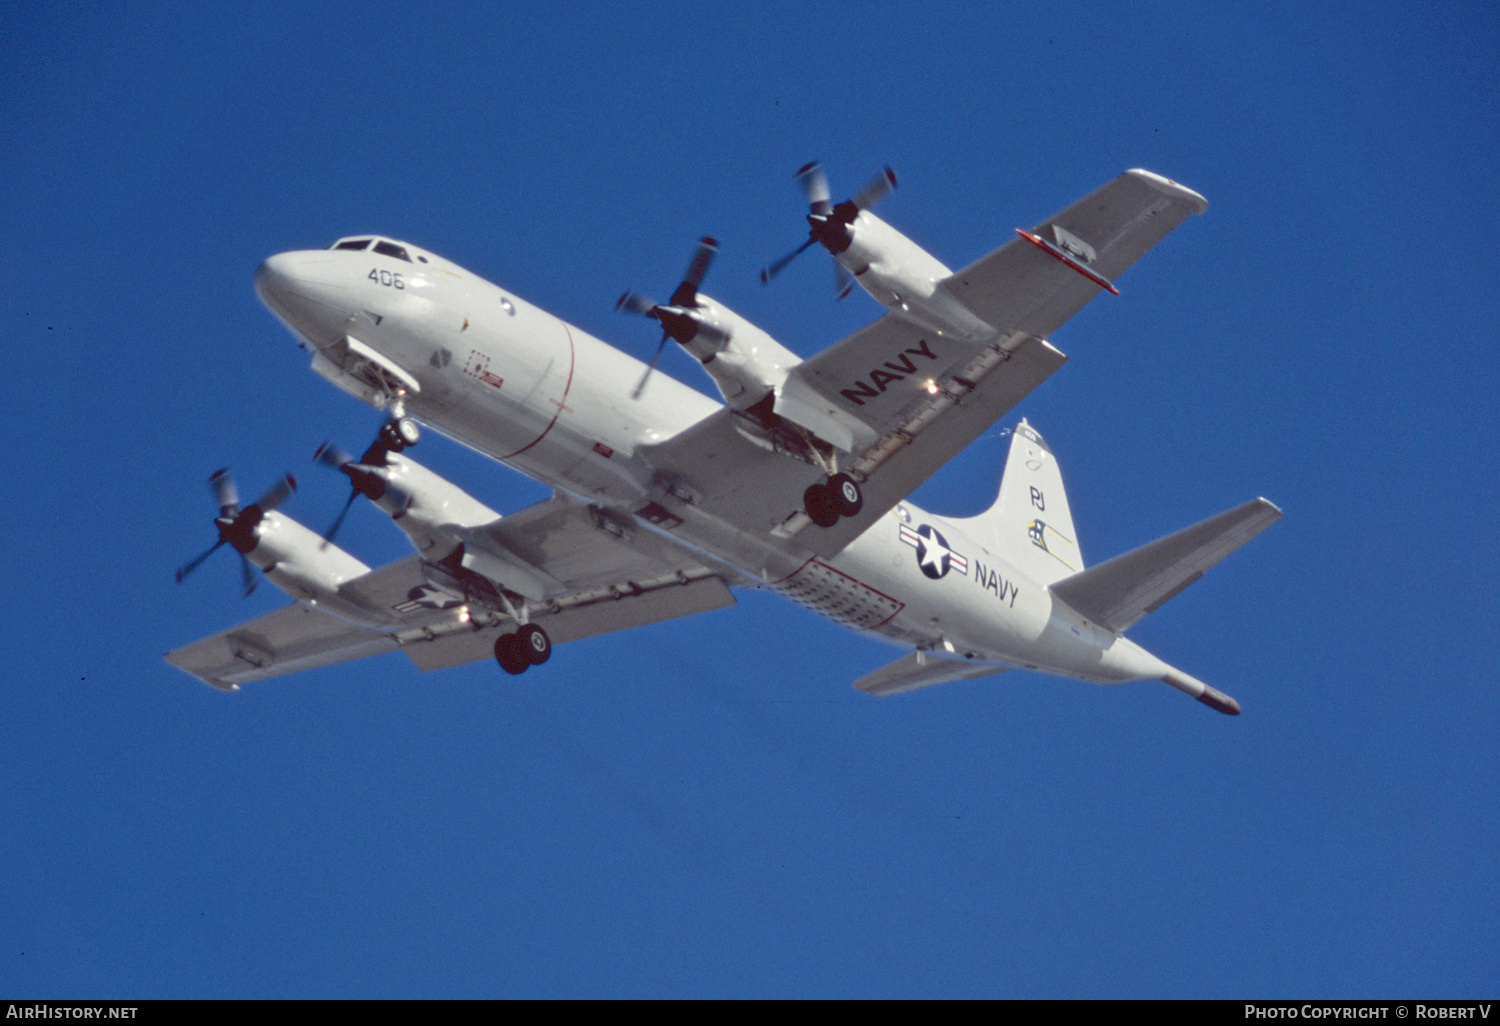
(527, 647)
(839, 496)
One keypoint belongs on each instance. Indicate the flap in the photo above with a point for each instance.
(579, 546)
(293, 638)
(598, 614)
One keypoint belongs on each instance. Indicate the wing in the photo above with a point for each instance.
(910, 400)
(295, 637)
(721, 467)
(603, 575)
(1025, 287)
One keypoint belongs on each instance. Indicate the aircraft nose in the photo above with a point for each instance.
(273, 278)
(303, 290)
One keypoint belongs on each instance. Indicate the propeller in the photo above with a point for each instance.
(676, 322)
(331, 455)
(829, 224)
(361, 473)
(237, 526)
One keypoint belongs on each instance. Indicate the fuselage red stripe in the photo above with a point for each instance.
(562, 403)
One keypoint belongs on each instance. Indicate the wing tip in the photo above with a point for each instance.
(178, 658)
(1170, 188)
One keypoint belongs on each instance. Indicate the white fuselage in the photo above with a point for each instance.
(512, 381)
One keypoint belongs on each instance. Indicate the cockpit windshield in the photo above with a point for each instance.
(385, 247)
(382, 246)
(390, 249)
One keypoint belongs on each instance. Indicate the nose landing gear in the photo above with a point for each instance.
(400, 433)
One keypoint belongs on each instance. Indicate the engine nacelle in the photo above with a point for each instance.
(432, 510)
(445, 524)
(310, 570)
(907, 280)
(745, 362)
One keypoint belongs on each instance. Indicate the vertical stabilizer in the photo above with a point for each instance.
(1030, 523)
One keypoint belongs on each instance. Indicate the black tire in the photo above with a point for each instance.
(848, 498)
(510, 653)
(819, 503)
(536, 644)
(407, 430)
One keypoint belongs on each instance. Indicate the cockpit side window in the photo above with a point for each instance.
(352, 244)
(390, 249)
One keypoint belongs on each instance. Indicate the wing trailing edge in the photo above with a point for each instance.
(1117, 593)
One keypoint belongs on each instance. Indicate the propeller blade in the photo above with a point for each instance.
(650, 366)
(815, 187)
(246, 576)
(331, 455)
(278, 493)
(636, 303)
(875, 190)
(339, 520)
(194, 563)
(225, 492)
(703, 256)
(843, 282)
(771, 271)
(676, 321)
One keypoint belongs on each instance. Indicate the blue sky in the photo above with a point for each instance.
(706, 807)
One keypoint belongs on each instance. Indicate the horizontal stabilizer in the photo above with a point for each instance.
(920, 670)
(1119, 592)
